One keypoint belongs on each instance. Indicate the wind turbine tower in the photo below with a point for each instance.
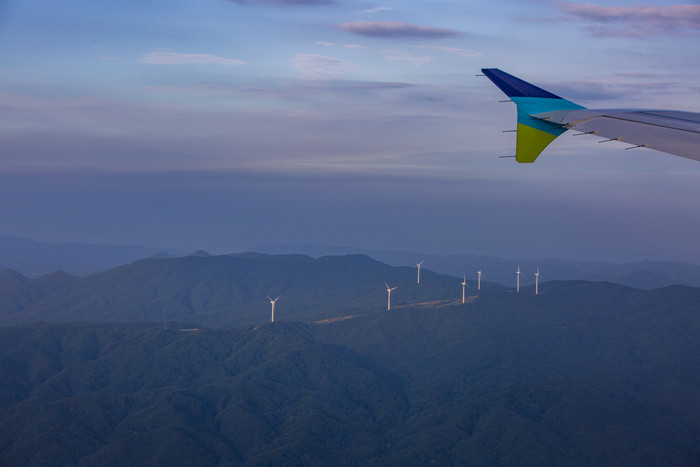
(478, 285)
(388, 292)
(537, 280)
(272, 320)
(464, 285)
(419, 265)
(517, 287)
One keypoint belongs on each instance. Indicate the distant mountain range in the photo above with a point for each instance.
(230, 290)
(583, 374)
(35, 259)
(223, 290)
(641, 274)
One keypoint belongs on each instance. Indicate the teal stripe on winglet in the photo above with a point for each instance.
(535, 105)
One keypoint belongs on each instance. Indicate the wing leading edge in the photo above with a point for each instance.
(542, 116)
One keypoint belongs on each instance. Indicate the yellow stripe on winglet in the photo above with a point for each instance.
(530, 143)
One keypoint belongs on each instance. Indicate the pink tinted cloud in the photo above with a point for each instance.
(635, 20)
(390, 29)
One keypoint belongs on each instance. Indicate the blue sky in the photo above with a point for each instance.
(222, 124)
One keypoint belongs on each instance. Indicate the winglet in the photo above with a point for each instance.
(515, 87)
(533, 133)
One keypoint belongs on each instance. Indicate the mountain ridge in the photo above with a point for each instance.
(223, 290)
(645, 274)
(32, 258)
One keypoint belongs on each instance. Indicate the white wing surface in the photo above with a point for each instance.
(670, 131)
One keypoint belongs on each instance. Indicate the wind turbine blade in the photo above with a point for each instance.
(387, 285)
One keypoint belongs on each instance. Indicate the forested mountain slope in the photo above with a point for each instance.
(582, 374)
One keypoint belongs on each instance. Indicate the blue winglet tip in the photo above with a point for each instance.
(515, 87)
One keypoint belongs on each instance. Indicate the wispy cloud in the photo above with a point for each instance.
(450, 50)
(392, 29)
(412, 59)
(608, 89)
(635, 20)
(378, 9)
(320, 66)
(291, 90)
(174, 58)
(345, 46)
(285, 2)
(637, 75)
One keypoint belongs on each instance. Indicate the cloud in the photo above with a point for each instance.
(392, 29)
(331, 90)
(378, 9)
(450, 50)
(174, 58)
(635, 20)
(346, 46)
(285, 2)
(413, 60)
(610, 89)
(637, 75)
(588, 90)
(320, 66)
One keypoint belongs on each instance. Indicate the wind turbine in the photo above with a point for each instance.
(419, 265)
(537, 280)
(388, 291)
(478, 286)
(464, 284)
(272, 320)
(517, 287)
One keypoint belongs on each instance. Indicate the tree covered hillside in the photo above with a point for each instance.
(138, 395)
(583, 374)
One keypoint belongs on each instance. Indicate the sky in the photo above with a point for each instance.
(225, 124)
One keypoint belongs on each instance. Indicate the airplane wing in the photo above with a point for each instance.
(542, 116)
